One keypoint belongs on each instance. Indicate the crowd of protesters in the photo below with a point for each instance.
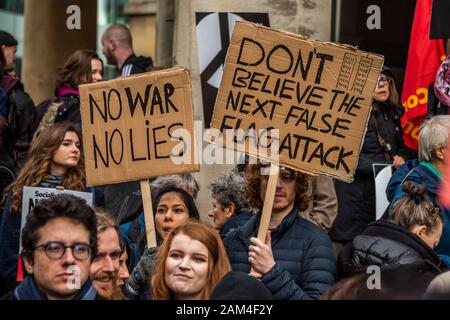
(323, 237)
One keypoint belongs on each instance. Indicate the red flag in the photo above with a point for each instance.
(424, 59)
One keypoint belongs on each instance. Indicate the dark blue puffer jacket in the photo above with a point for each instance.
(305, 264)
(10, 241)
(238, 220)
(419, 173)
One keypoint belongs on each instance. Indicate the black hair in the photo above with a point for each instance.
(187, 199)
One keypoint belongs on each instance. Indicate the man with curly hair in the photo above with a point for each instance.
(296, 261)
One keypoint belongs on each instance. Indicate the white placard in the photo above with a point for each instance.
(31, 195)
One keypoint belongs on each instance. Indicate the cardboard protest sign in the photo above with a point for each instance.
(318, 95)
(131, 126)
(31, 195)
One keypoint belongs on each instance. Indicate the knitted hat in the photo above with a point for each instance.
(387, 71)
(7, 39)
(240, 286)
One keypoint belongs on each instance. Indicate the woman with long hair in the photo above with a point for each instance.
(55, 159)
(383, 144)
(172, 207)
(190, 262)
(82, 67)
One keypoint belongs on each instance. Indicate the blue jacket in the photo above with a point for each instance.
(238, 220)
(418, 173)
(305, 264)
(10, 242)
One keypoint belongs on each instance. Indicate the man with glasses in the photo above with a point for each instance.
(59, 241)
(296, 261)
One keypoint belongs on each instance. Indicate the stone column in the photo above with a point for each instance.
(164, 32)
(48, 42)
(142, 22)
(311, 18)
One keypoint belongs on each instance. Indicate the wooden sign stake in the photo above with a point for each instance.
(148, 213)
(268, 204)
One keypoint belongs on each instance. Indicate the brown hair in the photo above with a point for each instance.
(351, 288)
(415, 209)
(394, 99)
(253, 186)
(38, 164)
(218, 264)
(105, 221)
(77, 69)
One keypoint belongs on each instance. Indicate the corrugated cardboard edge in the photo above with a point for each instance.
(258, 28)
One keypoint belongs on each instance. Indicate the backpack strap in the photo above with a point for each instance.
(381, 143)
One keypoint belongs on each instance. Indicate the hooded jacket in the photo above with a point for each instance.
(134, 65)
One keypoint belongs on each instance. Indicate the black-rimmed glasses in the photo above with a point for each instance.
(384, 79)
(55, 250)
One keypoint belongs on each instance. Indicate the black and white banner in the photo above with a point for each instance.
(382, 174)
(214, 31)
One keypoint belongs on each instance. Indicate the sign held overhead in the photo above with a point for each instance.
(317, 95)
(130, 126)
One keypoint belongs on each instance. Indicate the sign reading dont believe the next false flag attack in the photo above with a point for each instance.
(318, 95)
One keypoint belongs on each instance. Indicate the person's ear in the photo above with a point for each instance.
(28, 265)
(112, 44)
(230, 210)
(439, 153)
(420, 230)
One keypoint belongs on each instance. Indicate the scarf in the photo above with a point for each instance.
(28, 290)
(64, 91)
(442, 82)
(50, 181)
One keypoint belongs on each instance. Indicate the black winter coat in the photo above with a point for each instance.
(384, 243)
(69, 110)
(304, 258)
(356, 200)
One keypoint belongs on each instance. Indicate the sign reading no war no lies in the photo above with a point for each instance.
(131, 126)
(318, 95)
